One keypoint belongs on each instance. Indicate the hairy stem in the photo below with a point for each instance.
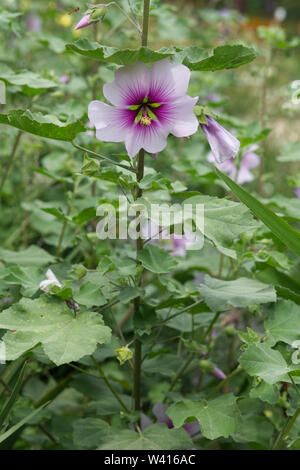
(102, 157)
(10, 161)
(290, 423)
(108, 384)
(263, 116)
(139, 242)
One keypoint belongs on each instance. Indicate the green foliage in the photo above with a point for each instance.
(211, 334)
(220, 295)
(63, 336)
(218, 417)
(42, 125)
(156, 437)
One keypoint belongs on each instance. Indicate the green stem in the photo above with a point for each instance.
(186, 309)
(182, 370)
(139, 242)
(145, 23)
(291, 421)
(135, 24)
(223, 382)
(263, 115)
(10, 161)
(108, 384)
(62, 234)
(102, 157)
(192, 354)
(51, 394)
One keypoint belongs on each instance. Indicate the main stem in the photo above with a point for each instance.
(139, 242)
(263, 116)
(11, 159)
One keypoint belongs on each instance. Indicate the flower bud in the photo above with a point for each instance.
(78, 271)
(123, 354)
(98, 13)
(223, 144)
(206, 366)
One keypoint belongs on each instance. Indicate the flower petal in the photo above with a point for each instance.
(223, 144)
(297, 192)
(131, 85)
(168, 81)
(185, 121)
(153, 139)
(244, 175)
(250, 160)
(83, 22)
(111, 124)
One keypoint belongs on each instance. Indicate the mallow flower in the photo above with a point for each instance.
(223, 144)
(50, 281)
(249, 161)
(159, 411)
(297, 192)
(148, 105)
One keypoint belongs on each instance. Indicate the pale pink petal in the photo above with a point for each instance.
(185, 121)
(297, 192)
(168, 81)
(250, 160)
(223, 144)
(153, 139)
(131, 85)
(244, 176)
(84, 22)
(111, 123)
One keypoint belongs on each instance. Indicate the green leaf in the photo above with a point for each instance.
(89, 295)
(17, 426)
(30, 83)
(284, 323)
(266, 363)
(224, 57)
(224, 221)
(286, 286)
(156, 259)
(49, 322)
(32, 256)
(28, 277)
(287, 234)
(155, 437)
(266, 392)
(58, 213)
(220, 295)
(42, 125)
(90, 432)
(217, 418)
(117, 56)
(254, 427)
(130, 293)
(13, 396)
(290, 152)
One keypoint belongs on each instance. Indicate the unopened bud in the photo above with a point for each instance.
(98, 13)
(206, 366)
(123, 354)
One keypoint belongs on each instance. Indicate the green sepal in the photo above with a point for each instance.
(138, 116)
(151, 114)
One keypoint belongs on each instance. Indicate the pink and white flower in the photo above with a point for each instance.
(148, 105)
(250, 160)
